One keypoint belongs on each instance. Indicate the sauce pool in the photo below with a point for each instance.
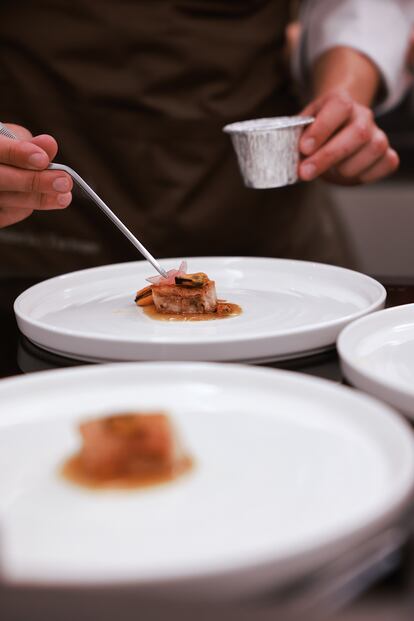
(73, 471)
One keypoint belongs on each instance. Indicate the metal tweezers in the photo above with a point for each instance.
(101, 204)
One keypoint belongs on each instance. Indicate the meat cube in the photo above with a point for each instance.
(181, 299)
(128, 444)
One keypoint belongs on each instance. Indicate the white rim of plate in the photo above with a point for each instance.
(345, 350)
(382, 294)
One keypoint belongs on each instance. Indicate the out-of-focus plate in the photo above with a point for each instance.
(377, 355)
(290, 308)
(289, 473)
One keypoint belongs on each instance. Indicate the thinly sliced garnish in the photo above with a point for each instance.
(171, 274)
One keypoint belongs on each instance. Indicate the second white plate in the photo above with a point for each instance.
(290, 308)
(377, 355)
(290, 473)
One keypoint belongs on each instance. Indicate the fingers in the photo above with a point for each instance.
(383, 167)
(20, 180)
(344, 144)
(47, 143)
(366, 157)
(44, 141)
(22, 154)
(332, 112)
(341, 146)
(21, 132)
(12, 216)
(34, 201)
(25, 185)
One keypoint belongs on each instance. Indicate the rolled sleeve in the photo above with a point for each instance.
(379, 29)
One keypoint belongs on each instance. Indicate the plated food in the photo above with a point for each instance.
(127, 450)
(291, 473)
(290, 309)
(184, 296)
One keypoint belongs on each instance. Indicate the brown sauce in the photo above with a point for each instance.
(152, 312)
(73, 471)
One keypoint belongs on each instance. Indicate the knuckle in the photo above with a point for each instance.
(33, 182)
(344, 99)
(379, 143)
(362, 130)
(10, 155)
(335, 154)
(12, 152)
(367, 113)
(342, 95)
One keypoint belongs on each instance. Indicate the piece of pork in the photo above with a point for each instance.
(181, 299)
(129, 444)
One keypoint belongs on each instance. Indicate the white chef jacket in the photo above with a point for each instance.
(380, 29)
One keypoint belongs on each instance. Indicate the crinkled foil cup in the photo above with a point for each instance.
(268, 149)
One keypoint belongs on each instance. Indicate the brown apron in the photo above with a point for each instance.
(136, 93)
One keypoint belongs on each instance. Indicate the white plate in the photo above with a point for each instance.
(377, 355)
(290, 472)
(289, 308)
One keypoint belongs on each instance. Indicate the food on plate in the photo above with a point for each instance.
(144, 297)
(194, 293)
(127, 450)
(184, 296)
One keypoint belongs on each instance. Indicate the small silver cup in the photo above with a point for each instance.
(268, 149)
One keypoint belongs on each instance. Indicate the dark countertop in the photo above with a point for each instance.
(392, 599)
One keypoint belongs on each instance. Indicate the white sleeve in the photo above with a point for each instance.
(380, 29)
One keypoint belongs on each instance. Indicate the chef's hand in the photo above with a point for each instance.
(344, 145)
(25, 185)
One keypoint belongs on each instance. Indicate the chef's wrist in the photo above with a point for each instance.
(347, 70)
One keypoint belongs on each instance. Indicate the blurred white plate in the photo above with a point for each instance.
(290, 471)
(377, 355)
(290, 308)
